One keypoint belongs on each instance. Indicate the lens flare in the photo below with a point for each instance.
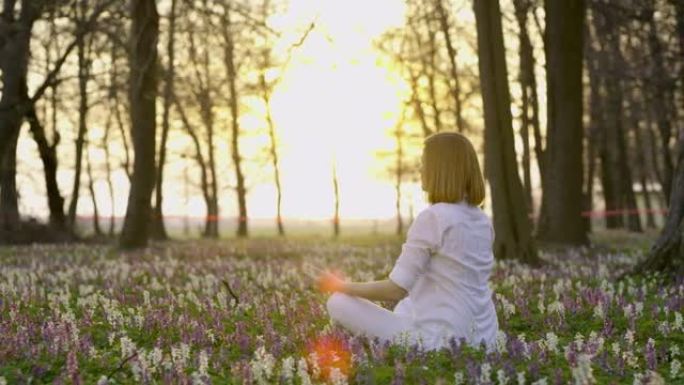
(330, 352)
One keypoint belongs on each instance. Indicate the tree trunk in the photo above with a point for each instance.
(273, 149)
(667, 254)
(336, 192)
(48, 156)
(204, 178)
(9, 198)
(108, 170)
(229, 51)
(14, 59)
(418, 104)
(83, 77)
(451, 51)
(93, 196)
(399, 173)
(660, 98)
(629, 197)
(118, 116)
(528, 86)
(142, 95)
(561, 218)
(605, 82)
(158, 228)
(511, 224)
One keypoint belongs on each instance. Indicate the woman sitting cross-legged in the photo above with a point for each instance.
(441, 277)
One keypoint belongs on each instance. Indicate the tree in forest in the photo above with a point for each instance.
(203, 90)
(15, 45)
(511, 224)
(16, 105)
(529, 103)
(336, 193)
(667, 254)
(265, 87)
(84, 53)
(142, 96)
(158, 228)
(229, 57)
(562, 200)
(426, 49)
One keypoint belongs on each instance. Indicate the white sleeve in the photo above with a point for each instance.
(423, 239)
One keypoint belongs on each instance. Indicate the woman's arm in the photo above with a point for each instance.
(384, 290)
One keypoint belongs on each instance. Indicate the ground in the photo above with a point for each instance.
(235, 311)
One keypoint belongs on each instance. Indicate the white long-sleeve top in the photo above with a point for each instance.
(444, 266)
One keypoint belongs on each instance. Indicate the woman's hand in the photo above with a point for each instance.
(329, 282)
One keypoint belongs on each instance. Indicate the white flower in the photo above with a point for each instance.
(521, 378)
(3, 381)
(337, 377)
(598, 311)
(302, 372)
(629, 337)
(485, 372)
(557, 307)
(639, 309)
(675, 366)
(582, 374)
(540, 306)
(579, 341)
(287, 369)
(127, 347)
(458, 378)
(678, 322)
(102, 381)
(501, 378)
(262, 365)
(615, 348)
(501, 341)
(203, 363)
(541, 381)
(551, 342)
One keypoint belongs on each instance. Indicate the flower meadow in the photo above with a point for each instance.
(245, 312)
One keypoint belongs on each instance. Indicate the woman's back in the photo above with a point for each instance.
(450, 295)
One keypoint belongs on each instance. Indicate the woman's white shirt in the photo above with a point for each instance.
(444, 266)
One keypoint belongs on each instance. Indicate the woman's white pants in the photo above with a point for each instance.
(363, 317)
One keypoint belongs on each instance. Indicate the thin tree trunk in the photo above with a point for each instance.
(511, 224)
(399, 176)
(336, 192)
(451, 51)
(629, 198)
(273, 149)
(418, 104)
(143, 92)
(93, 196)
(229, 51)
(108, 170)
(83, 77)
(561, 220)
(158, 228)
(199, 157)
(611, 104)
(660, 98)
(114, 94)
(528, 86)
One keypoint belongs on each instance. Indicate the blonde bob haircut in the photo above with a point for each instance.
(450, 170)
